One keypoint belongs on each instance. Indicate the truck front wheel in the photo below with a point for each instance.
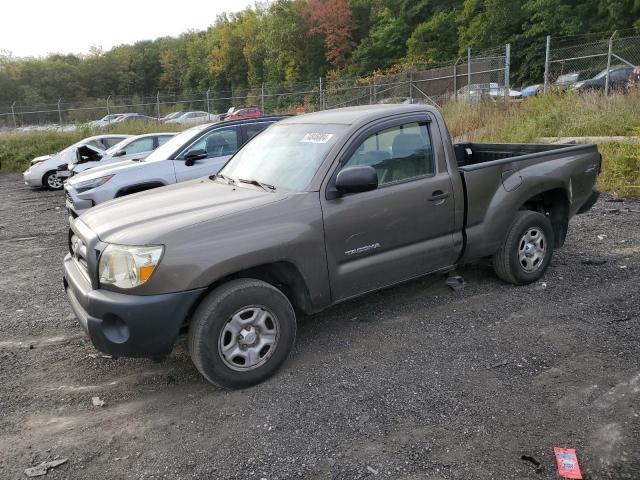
(526, 252)
(241, 333)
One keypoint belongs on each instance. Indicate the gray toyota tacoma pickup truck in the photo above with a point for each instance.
(317, 209)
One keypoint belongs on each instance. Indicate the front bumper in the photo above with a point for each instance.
(32, 179)
(127, 325)
(76, 206)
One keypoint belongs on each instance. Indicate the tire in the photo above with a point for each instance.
(527, 249)
(51, 181)
(241, 318)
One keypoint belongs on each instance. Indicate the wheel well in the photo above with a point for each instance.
(283, 275)
(555, 205)
(138, 188)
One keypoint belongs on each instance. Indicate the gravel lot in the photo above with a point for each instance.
(415, 382)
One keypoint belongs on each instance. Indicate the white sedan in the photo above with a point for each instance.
(132, 148)
(43, 170)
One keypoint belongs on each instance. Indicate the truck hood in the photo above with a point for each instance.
(147, 217)
(102, 170)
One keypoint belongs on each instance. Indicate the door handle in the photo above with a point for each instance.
(438, 195)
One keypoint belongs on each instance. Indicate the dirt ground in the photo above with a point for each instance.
(416, 382)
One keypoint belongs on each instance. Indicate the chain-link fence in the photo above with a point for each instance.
(606, 62)
(473, 77)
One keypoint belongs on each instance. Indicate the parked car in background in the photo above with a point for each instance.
(194, 153)
(481, 91)
(317, 210)
(106, 120)
(566, 80)
(532, 90)
(135, 117)
(43, 171)
(132, 148)
(193, 118)
(618, 80)
(172, 115)
(244, 113)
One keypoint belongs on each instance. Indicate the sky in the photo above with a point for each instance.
(39, 27)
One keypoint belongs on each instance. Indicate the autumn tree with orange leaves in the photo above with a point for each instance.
(333, 19)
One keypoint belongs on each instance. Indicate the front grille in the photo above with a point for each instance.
(68, 195)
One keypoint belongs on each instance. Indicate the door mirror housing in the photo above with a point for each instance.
(120, 153)
(193, 155)
(360, 178)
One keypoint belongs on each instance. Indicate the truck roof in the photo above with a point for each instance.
(353, 115)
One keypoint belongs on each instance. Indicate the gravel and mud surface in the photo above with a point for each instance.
(416, 382)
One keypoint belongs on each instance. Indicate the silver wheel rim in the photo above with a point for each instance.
(532, 249)
(249, 338)
(54, 181)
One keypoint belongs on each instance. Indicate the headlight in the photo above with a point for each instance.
(128, 266)
(90, 184)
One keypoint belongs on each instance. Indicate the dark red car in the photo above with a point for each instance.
(246, 112)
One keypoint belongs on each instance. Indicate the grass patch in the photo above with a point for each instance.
(620, 169)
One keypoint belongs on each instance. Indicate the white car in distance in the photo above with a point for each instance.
(193, 118)
(132, 148)
(43, 172)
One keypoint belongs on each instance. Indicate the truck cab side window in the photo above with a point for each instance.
(397, 153)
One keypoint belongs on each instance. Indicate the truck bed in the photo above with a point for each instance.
(499, 178)
(469, 153)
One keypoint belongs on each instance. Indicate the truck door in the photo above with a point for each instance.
(219, 145)
(400, 230)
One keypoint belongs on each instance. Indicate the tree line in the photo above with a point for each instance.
(290, 41)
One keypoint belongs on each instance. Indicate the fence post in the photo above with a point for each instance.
(262, 98)
(371, 92)
(108, 112)
(455, 79)
(320, 96)
(13, 114)
(208, 112)
(158, 103)
(411, 84)
(606, 84)
(507, 68)
(468, 66)
(60, 113)
(546, 64)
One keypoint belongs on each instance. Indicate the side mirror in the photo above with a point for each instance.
(120, 153)
(193, 155)
(360, 178)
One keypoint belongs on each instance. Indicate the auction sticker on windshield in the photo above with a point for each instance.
(316, 138)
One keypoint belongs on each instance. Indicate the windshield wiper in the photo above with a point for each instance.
(252, 181)
(224, 177)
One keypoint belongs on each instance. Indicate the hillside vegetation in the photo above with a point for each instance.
(287, 41)
(543, 116)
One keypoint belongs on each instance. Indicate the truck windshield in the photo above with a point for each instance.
(285, 156)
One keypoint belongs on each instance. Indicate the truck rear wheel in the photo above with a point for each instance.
(241, 333)
(526, 252)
